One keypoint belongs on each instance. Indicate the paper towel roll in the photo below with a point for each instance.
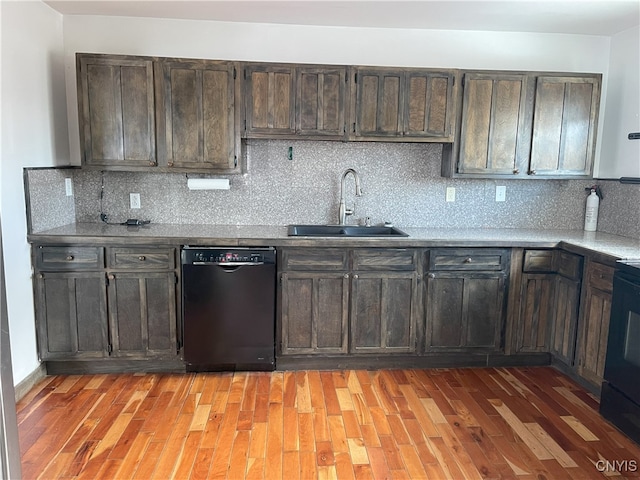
(208, 183)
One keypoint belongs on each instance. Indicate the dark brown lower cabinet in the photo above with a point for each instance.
(536, 312)
(142, 313)
(465, 302)
(314, 312)
(90, 305)
(565, 319)
(71, 315)
(348, 301)
(549, 303)
(464, 311)
(383, 312)
(593, 323)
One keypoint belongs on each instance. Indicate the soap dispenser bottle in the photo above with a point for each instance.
(591, 212)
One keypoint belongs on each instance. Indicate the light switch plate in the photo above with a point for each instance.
(501, 193)
(134, 200)
(451, 194)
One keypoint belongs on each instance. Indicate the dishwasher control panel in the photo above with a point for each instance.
(216, 256)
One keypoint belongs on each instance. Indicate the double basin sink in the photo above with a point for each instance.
(344, 231)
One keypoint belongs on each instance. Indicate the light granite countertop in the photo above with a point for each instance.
(615, 246)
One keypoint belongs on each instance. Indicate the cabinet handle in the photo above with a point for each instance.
(170, 164)
(40, 275)
(346, 275)
(111, 276)
(468, 260)
(532, 172)
(516, 171)
(69, 257)
(142, 258)
(432, 275)
(152, 164)
(356, 276)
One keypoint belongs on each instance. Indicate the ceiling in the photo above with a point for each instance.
(590, 17)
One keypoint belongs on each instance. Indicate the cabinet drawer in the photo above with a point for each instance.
(144, 258)
(315, 259)
(468, 259)
(538, 261)
(600, 276)
(69, 258)
(382, 259)
(569, 265)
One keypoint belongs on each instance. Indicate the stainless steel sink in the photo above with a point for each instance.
(343, 231)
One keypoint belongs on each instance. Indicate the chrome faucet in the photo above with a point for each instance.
(344, 211)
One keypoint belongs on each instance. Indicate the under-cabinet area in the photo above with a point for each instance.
(117, 307)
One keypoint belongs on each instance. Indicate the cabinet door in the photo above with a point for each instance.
(428, 105)
(196, 115)
(116, 111)
(270, 100)
(378, 109)
(593, 323)
(564, 125)
(383, 307)
(566, 308)
(320, 101)
(142, 314)
(465, 312)
(493, 135)
(315, 309)
(71, 313)
(535, 313)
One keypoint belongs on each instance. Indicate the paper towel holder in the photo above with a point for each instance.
(208, 183)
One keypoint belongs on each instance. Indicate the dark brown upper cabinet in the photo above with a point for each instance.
(525, 125)
(564, 125)
(320, 101)
(409, 105)
(116, 111)
(295, 101)
(196, 112)
(494, 134)
(270, 100)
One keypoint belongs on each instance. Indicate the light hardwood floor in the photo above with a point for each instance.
(517, 423)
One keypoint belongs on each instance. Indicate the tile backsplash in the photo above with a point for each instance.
(401, 183)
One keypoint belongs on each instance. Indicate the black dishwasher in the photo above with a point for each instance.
(228, 301)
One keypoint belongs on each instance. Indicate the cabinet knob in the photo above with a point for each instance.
(169, 164)
(532, 172)
(356, 276)
(516, 171)
(111, 276)
(432, 275)
(468, 260)
(346, 275)
(142, 258)
(152, 164)
(40, 275)
(69, 257)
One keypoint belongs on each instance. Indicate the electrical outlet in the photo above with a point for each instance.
(68, 187)
(501, 193)
(451, 194)
(134, 200)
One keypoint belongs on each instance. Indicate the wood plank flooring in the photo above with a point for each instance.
(511, 423)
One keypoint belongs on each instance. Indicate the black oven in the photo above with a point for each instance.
(620, 397)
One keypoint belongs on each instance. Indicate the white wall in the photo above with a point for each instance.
(332, 45)
(34, 133)
(620, 156)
